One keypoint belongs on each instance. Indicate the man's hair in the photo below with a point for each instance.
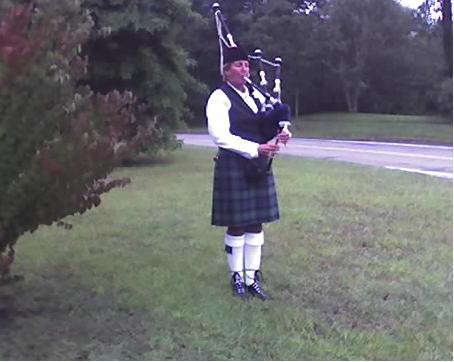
(225, 68)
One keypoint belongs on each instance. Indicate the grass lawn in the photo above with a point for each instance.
(376, 127)
(372, 127)
(359, 267)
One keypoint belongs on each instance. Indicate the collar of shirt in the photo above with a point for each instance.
(242, 94)
(247, 98)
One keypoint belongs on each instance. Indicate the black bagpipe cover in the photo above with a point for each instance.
(270, 119)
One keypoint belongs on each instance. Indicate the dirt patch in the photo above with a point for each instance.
(60, 319)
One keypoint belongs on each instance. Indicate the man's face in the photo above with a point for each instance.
(236, 73)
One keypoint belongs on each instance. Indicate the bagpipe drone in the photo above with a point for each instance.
(273, 106)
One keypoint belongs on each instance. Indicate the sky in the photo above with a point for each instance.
(411, 3)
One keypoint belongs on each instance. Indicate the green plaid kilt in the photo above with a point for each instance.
(238, 202)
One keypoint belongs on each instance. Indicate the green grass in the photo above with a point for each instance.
(360, 268)
(367, 126)
(376, 127)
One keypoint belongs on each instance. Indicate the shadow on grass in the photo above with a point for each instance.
(58, 318)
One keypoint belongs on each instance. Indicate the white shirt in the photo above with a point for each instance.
(217, 112)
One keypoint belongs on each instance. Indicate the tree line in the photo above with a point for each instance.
(343, 55)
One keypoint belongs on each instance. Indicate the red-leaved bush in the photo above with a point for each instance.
(58, 141)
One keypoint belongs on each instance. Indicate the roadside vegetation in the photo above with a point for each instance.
(360, 268)
(375, 127)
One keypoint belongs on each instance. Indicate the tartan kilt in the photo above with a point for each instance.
(238, 202)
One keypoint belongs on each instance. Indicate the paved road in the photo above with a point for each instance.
(426, 159)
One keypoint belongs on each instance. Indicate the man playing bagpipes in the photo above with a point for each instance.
(244, 193)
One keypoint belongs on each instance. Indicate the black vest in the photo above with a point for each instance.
(244, 122)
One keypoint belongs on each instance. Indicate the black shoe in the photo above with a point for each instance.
(255, 289)
(238, 286)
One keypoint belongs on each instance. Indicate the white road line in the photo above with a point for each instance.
(416, 170)
(393, 144)
(411, 155)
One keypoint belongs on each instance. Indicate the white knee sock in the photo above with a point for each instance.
(234, 246)
(252, 254)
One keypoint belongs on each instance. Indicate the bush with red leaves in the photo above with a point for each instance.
(58, 141)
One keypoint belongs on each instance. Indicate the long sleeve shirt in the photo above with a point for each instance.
(217, 112)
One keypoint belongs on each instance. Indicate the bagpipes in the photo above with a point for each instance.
(273, 105)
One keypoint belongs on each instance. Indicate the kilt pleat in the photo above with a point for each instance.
(237, 201)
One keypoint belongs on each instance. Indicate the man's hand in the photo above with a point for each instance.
(268, 149)
(284, 137)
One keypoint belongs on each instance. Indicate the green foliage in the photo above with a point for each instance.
(444, 98)
(271, 28)
(358, 55)
(135, 46)
(58, 141)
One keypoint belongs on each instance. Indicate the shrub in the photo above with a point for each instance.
(58, 141)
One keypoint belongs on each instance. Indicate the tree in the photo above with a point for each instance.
(446, 10)
(276, 20)
(435, 13)
(58, 141)
(136, 45)
(357, 55)
(353, 25)
(266, 25)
